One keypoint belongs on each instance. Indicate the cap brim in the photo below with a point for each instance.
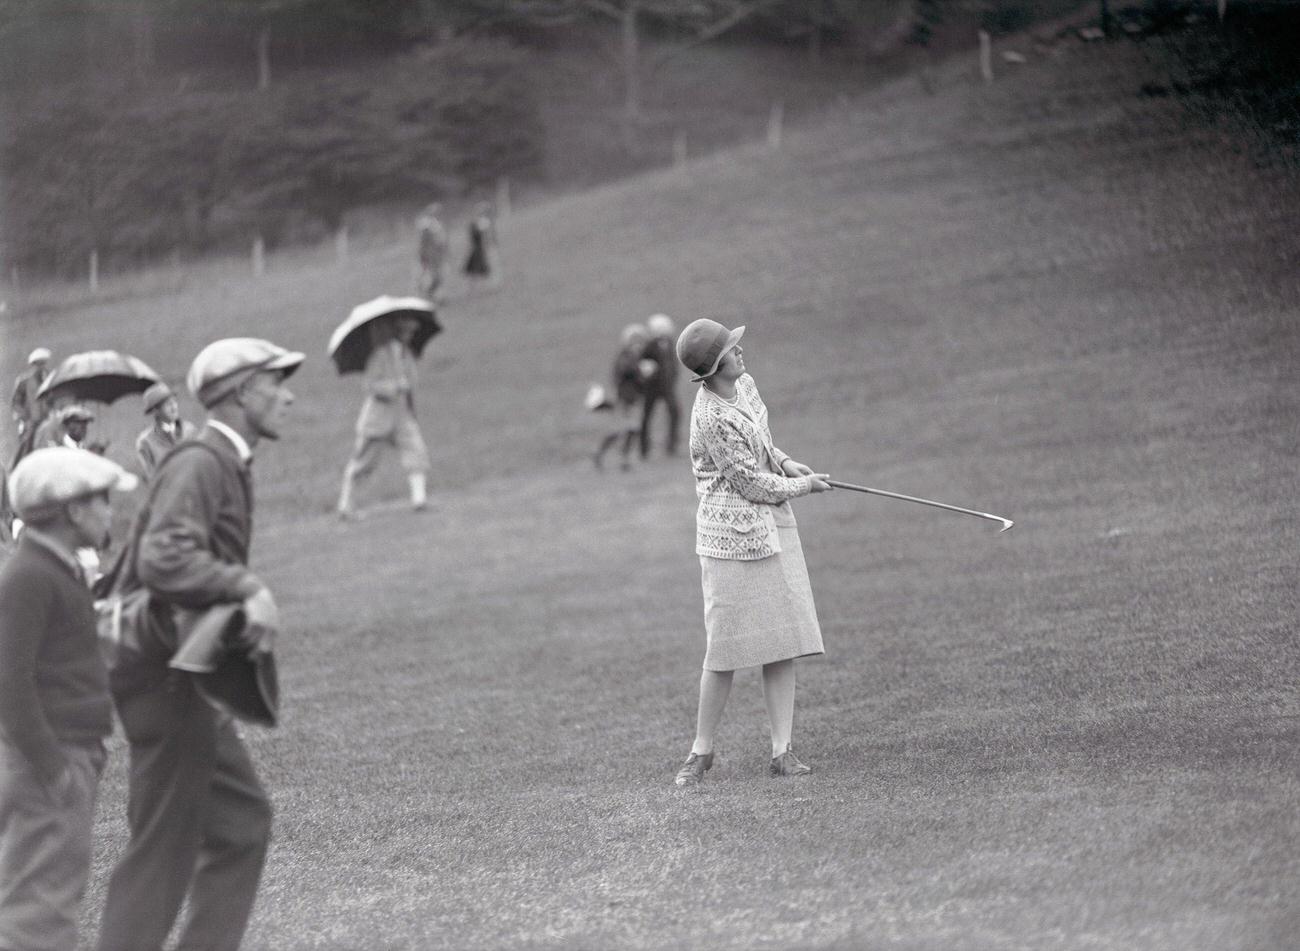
(286, 362)
(125, 482)
(733, 338)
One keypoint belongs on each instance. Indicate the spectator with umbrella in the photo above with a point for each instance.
(383, 338)
(69, 426)
(103, 376)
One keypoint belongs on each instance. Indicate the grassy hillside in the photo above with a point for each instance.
(1051, 298)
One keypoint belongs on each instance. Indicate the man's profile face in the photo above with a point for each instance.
(92, 517)
(169, 410)
(76, 428)
(266, 402)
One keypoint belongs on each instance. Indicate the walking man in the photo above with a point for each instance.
(167, 430)
(27, 410)
(54, 704)
(200, 821)
(387, 417)
(432, 253)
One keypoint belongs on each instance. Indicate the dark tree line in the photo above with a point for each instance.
(137, 127)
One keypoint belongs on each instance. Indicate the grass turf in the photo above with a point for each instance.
(1049, 298)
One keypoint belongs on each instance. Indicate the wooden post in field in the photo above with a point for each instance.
(259, 256)
(775, 122)
(986, 56)
(341, 244)
(94, 270)
(503, 198)
(679, 148)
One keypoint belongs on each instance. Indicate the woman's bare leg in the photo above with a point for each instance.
(715, 687)
(778, 695)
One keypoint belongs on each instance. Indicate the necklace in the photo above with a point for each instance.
(733, 401)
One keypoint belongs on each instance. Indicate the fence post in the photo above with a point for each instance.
(679, 148)
(94, 270)
(775, 121)
(259, 256)
(503, 198)
(341, 244)
(986, 56)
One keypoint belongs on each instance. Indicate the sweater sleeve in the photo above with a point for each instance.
(175, 555)
(24, 616)
(730, 451)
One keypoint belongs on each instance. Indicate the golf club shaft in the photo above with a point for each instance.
(1006, 522)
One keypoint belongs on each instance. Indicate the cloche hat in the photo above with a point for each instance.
(702, 344)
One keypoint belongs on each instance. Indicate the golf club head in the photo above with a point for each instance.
(1006, 525)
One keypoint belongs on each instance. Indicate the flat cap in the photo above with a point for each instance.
(155, 396)
(39, 355)
(224, 364)
(76, 411)
(48, 478)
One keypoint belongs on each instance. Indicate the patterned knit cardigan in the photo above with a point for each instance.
(735, 467)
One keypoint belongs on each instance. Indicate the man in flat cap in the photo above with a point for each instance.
(54, 702)
(200, 821)
(167, 430)
(68, 426)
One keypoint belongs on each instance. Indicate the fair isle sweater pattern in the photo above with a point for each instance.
(735, 465)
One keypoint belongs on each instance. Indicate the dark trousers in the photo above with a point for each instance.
(200, 823)
(674, 415)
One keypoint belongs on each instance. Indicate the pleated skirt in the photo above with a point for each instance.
(761, 611)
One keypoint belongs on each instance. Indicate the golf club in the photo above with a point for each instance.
(1006, 522)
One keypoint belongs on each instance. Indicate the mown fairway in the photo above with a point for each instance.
(1048, 299)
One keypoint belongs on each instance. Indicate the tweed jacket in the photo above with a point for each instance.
(193, 550)
(736, 480)
(152, 444)
(390, 390)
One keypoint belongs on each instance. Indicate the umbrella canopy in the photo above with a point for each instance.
(350, 344)
(103, 375)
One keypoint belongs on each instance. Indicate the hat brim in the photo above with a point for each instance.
(733, 338)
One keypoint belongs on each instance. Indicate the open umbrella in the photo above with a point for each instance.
(350, 343)
(103, 375)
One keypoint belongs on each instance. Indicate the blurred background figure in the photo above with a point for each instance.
(661, 384)
(167, 430)
(484, 261)
(432, 253)
(631, 369)
(28, 409)
(68, 426)
(388, 414)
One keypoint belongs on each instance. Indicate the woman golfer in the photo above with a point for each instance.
(758, 605)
